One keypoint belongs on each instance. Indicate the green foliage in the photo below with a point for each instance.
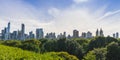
(12, 53)
(90, 56)
(100, 42)
(84, 43)
(69, 46)
(98, 48)
(50, 45)
(74, 48)
(43, 41)
(96, 54)
(32, 45)
(14, 43)
(100, 53)
(113, 51)
(66, 56)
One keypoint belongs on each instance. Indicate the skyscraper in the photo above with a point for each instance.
(101, 33)
(39, 33)
(64, 34)
(89, 34)
(22, 32)
(31, 35)
(50, 35)
(114, 36)
(8, 27)
(117, 35)
(8, 32)
(83, 35)
(15, 34)
(75, 34)
(97, 32)
(3, 34)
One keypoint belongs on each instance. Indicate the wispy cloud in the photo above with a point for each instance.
(109, 14)
(80, 1)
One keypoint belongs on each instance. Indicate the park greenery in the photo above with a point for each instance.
(97, 48)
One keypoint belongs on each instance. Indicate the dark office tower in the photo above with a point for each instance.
(89, 34)
(114, 36)
(75, 34)
(19, 35)
(3, 34)
(39, 33)
(101, 33)
(15, 34)
(9, 27)
(117, 35)
(97, 32)
(6, 33)
(83, 35)
(22, 32)
(23, 28)
(31, 35)
(8, 30)
(64, 34)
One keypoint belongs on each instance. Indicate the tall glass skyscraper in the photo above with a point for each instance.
(8, 31)
(22, 32)
(39, 33)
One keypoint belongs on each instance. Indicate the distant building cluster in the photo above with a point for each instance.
(20, 34)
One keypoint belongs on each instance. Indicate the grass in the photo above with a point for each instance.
(13, 53)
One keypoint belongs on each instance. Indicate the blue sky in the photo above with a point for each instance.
(61, 15)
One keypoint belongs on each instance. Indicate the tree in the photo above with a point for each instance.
(90, 56)
(50, 45)
(32, 45)
(70, 46)
(84, 43)
(96, 54)
(113, 51)
(100, 42)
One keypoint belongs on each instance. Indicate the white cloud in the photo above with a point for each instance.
(66, 19)
(80, 1)
(17, 12)
(84, 20)
(54, 12)
(70, 19)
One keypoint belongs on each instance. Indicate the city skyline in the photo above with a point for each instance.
(39, 34)
(61, 15)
